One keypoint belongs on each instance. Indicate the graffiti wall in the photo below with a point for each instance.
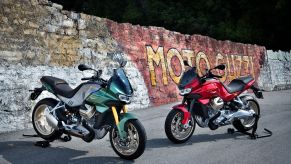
(159, 54)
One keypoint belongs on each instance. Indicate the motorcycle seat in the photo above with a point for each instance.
(238, 84)
(59, 86)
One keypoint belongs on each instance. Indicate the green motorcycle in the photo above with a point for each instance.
(89, 111)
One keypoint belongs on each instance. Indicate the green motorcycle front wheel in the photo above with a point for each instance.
(134, 144)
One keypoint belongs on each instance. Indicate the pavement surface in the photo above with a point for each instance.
(205, 146)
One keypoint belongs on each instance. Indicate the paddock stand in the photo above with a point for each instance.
(253, 135)
(46, 143)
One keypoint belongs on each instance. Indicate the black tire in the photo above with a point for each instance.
(141, 144)
(54, 134)
(169, 130)
(239, 125)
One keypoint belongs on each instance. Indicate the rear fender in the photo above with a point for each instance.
(249, 97)
(36, 92)
(186, 113)
(47, 87)
(258, 93)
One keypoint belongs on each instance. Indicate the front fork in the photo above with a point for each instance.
(186, 113)
(120, 121)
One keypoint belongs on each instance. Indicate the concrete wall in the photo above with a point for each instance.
(39, 38)
(276, 71)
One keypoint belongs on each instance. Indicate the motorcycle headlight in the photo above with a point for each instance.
(185, 91)
(125, 98)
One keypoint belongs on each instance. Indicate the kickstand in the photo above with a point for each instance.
(30, 135)
(253, 134)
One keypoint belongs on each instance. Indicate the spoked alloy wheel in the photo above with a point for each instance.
(175, 130)
(244, 125)
(39, 122)
(134, 144)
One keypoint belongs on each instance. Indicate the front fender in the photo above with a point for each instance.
(124, 117)
(248, 97)
(186, 113)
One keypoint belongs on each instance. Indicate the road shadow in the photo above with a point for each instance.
(25, 152)
(106, 160)
(198, 138)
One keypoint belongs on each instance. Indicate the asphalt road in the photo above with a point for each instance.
(205, 146)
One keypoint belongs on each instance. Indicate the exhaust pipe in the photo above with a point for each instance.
(82, 131)
(52, 121)
(241, 114)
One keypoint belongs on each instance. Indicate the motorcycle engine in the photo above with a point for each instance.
(87, 112)
(216, 103)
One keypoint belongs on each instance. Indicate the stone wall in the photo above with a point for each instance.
(276, 71)
(38, 38)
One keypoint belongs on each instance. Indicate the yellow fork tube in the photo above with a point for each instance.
(125, 109)
(115, 115)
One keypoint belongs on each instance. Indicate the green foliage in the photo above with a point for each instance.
(261, 22)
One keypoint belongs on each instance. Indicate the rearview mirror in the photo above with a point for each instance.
(123, 63)
(220, 67)
(83, 67)
(99, 72)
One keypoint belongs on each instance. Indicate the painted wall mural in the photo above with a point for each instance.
(172, 64)
(159, 54)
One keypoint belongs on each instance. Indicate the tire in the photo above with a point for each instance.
(139, 132)
(44, 131)
(244, 127)
(169, 130)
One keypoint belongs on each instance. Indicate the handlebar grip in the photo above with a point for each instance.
(86, 78)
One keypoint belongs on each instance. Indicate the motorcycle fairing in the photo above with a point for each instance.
(79, 98)
(119, 83)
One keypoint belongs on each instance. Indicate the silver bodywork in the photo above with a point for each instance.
(226, 116)
(81, 95)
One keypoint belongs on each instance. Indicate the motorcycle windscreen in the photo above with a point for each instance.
(120, 84)
(188, 77)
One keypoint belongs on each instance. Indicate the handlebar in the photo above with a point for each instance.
(86, 78)
(209, 74)
(101, 81)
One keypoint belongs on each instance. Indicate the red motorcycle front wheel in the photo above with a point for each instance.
(175, 130)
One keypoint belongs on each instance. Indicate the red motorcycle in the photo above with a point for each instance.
(210, 103)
